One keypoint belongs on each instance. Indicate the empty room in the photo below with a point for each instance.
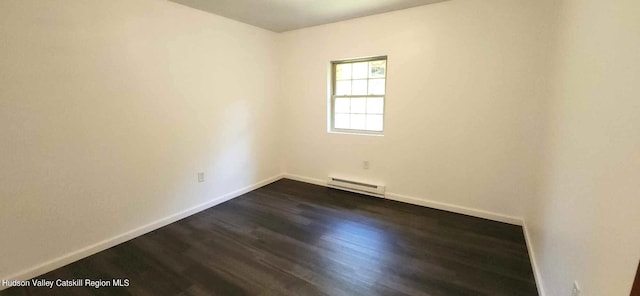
(307, 147)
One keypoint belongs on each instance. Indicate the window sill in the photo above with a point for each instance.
(355, 133)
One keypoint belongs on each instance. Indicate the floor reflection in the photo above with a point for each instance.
(357, 249)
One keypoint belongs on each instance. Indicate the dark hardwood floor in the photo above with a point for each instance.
(293, 238)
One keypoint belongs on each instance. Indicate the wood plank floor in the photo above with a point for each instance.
(293, 238)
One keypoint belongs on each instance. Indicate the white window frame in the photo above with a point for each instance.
(333, 96)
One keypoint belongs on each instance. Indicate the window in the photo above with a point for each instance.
(357, 95)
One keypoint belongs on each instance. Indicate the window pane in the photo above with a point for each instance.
(343, 71)
(343, 88)
(360, 70)
(358, 105)
(359, 87)
(376, 86)
(375, 105)
(378, 69)
(358, 121)
(342, 105)
(374, 122)
(341, 120)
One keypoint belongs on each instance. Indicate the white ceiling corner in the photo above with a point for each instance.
(286, 15)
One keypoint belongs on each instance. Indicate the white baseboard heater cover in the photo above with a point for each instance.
(356, 186)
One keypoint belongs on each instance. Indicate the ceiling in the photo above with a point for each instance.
(286, 15)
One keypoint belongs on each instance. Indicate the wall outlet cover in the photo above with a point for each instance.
(200, 177)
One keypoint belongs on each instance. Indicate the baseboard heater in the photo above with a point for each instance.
(356, 186)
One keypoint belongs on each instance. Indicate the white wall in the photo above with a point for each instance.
(585, 225)
(463, 109)
(108, 109)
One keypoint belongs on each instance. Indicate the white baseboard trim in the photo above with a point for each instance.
(427, 203)
(455, 209)
(306, 179)
(532, 257)
(113, 241)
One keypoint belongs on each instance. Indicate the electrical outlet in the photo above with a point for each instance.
(576, 289)
(200, 177)
(365, 164)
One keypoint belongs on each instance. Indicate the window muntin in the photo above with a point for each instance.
(358, 94)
